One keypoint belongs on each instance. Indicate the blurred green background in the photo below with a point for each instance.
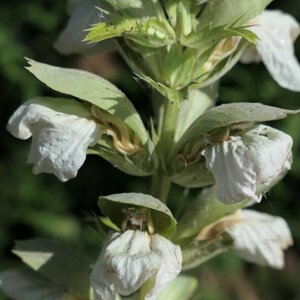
(42, 206)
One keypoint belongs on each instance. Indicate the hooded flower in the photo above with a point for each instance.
(257, 237)
(61, 132)
(247, 165)
(276, 32)
(130, 259)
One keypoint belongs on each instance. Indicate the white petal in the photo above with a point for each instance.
(103, 287)
(129, 259)
(59, 140)
(277, 32)
(233, 172)
(126, 262)
(83, 15)
(170, 264)
(261, 238)
(249, 164)
(270, 151)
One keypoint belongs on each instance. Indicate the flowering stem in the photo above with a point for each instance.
(160, 186)
(168, 125)
(161, 183)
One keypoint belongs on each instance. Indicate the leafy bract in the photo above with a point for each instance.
(221, 12)
(229, 114)
(198, 252)
(93, 89)
(197, 102)
(150, 32)
(208, 37)
(140, 164)
(60, 264)
(113, 206)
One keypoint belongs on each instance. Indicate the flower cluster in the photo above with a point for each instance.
(182, 49)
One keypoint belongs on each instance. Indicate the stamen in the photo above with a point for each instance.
(123, 139)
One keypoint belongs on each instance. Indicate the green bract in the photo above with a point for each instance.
(114, 206)
(205, 209)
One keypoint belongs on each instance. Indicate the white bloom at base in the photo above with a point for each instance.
(59, 140)
(260, 238)
(129, 259)
(247, 165)
(276, 32)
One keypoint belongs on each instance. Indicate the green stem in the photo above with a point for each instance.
(168, 125)
(160, 186)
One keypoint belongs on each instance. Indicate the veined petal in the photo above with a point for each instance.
(126, 263)
(260, 238)
(247, 165)
(233, 172)
(59, 140)
(170, 264)
(277, 32)
(133, 260)
(270, 151)
(130, 259)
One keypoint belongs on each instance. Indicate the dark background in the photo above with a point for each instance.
(42, 206)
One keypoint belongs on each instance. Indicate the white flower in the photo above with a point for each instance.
(276, 32)
(129, 259)
(59, 140)
(257, 237)
(261, 238)
(245, 166)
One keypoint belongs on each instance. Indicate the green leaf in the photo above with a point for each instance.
(205, 209)
(221, 12)
(113, 206)
(229, 114)
(181, 288)
(24, 284)
(93, 89)
(60, 264)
